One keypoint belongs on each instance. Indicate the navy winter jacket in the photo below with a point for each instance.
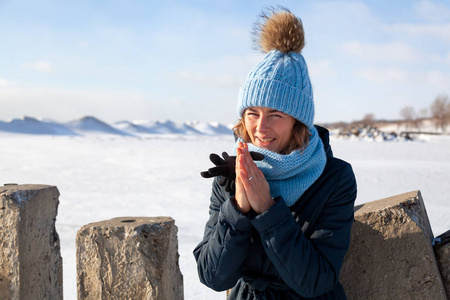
(286, 252)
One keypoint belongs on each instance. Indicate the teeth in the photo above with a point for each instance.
(265, 140)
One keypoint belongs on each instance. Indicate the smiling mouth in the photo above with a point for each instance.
(266, 140)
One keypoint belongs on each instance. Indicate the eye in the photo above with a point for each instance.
(252, 114)
(276, 115)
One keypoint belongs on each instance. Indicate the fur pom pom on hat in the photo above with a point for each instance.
(281, 80)
(280, 31)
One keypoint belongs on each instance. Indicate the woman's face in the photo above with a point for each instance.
(268, 128)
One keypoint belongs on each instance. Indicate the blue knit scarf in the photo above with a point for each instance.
(291, 175)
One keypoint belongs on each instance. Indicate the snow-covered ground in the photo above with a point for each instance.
(105, 176)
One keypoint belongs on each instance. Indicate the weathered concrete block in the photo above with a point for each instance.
(30, 258)
(391, 254)
(129, 258)
(442, 250)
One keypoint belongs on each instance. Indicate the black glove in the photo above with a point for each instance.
(226, 167)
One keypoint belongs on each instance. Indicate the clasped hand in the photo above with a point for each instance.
(252, 188)
(226, 168)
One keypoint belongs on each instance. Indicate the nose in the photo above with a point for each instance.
(262, 125)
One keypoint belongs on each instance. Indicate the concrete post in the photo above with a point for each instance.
(391, 254)
(442, 250)
(30, 259)
(129, 258)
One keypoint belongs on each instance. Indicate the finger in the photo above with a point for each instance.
(242, 166)
(216, 159)
(241, 198)
(240, 162)
(226, 156)
(206, 174)
(238, 166)
(239, 154)
(246, 181)
(252, 171)
(249, 164)
(258, 174)
(240, 190)
(219, 170)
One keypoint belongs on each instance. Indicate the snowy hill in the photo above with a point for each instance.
(93, 125)
(133, 128)
(90, 125)
(209, 128)
(30, 125)
(169, 127)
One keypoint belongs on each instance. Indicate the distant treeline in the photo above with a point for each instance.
(438, 113)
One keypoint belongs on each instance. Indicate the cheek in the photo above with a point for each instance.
(286, 131)
(248, 129)
(248, 125)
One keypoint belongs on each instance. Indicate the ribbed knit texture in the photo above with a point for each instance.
(280, 81)
(291, 175)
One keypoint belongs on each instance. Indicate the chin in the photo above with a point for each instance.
(272, 149)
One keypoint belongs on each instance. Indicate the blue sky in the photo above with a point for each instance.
(186, 60)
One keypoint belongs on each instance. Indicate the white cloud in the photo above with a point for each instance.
(438, 79)
(400, 76)
(222, 81)
(433, 12)
(393, 52)
(224, 72)
(41, 66)
(320, 69)
(385, 75)
(349, 11)
(438, 31)
(5, 83)
(435, 22)
(227, 77)
(68, 104)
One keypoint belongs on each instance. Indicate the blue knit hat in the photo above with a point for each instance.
(281, 80)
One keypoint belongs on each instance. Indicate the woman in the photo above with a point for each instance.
(279, 227)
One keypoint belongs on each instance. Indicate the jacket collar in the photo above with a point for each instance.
(324, 135)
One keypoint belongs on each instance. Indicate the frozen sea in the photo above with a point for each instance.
(106, 176)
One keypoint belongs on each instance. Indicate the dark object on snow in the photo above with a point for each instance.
(368, 132)
(226, 168)
(441, 240)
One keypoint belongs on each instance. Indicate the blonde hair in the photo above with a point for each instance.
(298, 141)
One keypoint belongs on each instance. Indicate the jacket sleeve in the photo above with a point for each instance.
(225, 245)
(310, 266)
